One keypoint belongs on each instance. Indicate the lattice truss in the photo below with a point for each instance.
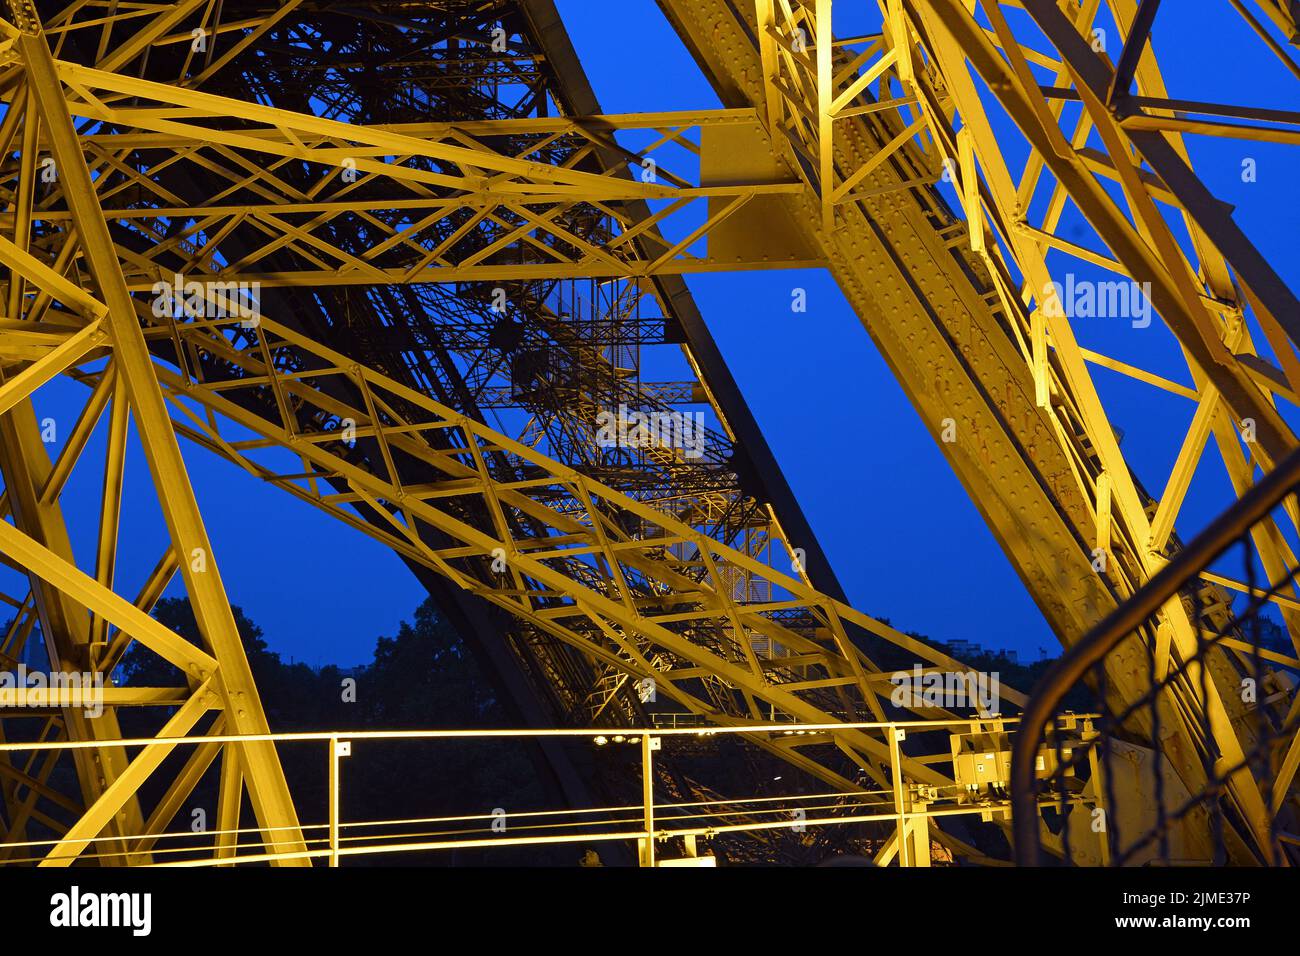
(616, 564)
(288, 146)
(1067, 160)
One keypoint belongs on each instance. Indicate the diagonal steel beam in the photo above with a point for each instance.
(265, 779)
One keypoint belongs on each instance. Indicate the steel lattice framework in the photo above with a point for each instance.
(461, 261)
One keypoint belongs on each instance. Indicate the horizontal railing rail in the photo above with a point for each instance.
(902, 811)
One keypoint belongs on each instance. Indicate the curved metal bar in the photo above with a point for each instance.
(1225, 530)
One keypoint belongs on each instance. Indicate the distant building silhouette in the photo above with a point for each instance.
(962, 649)
(1272, 635)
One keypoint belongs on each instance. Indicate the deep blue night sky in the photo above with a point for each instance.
(905, 539)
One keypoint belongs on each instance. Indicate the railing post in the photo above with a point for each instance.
(338, 750)
(648, 745)
(896, 734)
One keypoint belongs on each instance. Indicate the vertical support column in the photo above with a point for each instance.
(1103, 513)
(1097, 781)
(825, 49)
(901, 37)
(918, 830)
(970, 189)
(649, 744)
(338, 750)
(230, 792)
(896, 735)
(765, 10)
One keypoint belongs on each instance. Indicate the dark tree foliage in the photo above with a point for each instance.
(422, 678)
(427, 678)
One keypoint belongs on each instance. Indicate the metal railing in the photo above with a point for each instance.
(894, 820)
(1128, 792)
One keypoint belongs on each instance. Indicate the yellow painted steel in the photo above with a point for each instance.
(902, 811)
(1043, 399)
(846, 140)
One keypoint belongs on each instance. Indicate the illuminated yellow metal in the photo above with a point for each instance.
(221, 680)
(938, 314)
(529, 200)
(903, 809)
(844, 141)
